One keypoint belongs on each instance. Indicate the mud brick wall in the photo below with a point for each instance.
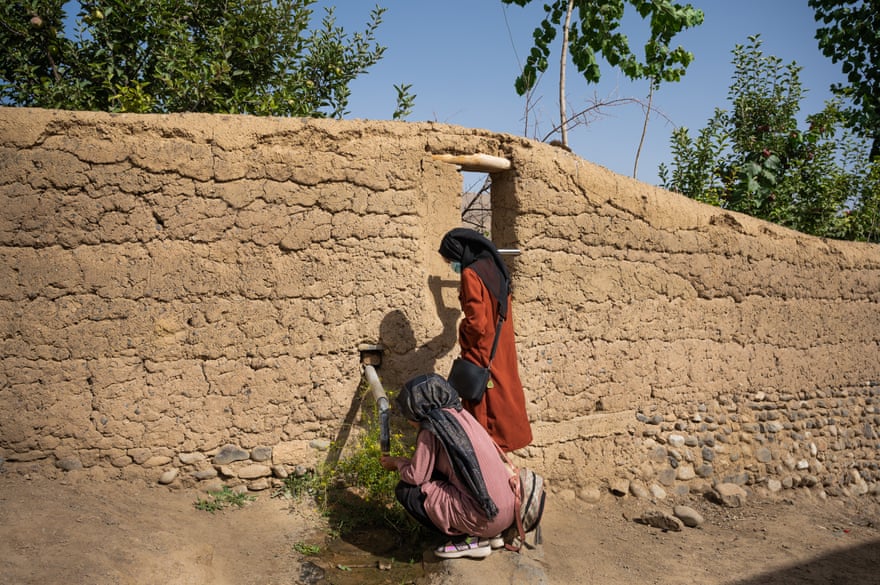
(685, 345)
(183, 298)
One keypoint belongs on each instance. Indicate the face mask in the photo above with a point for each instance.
(456, 267)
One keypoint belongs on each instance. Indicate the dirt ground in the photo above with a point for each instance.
(81, 531)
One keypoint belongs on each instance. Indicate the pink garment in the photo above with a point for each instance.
(449, 504)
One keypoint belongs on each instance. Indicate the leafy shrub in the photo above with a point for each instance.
(754, 159)
(356, 490)
(157, 56)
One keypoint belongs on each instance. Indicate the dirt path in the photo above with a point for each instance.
(75, 531)
(796, 543)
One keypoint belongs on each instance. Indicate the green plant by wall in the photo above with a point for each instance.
(356, 490)
(406, 101)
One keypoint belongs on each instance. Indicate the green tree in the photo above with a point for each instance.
(753, 158)
(851, 36)
(229, 56)
(590, 28)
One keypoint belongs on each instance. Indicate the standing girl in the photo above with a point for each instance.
(485, 296)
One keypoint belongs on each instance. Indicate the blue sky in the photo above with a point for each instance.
(462, 57)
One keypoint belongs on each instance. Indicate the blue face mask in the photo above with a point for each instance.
(456, 266)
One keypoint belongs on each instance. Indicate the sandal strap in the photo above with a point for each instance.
(465, 544)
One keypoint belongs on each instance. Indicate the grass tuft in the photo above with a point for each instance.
(221, 499)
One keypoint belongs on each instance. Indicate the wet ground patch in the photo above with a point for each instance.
(366, 557)
(366, 542)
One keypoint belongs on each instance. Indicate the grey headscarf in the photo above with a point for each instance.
(424, 399)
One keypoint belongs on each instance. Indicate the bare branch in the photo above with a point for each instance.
(595, 108)
(644, 130)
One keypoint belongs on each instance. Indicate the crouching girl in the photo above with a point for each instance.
(456, 482)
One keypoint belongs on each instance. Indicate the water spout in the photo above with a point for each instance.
(371, 358)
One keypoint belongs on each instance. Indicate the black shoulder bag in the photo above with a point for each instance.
(469, 379)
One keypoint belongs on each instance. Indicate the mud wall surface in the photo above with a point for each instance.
(686, 345)
(184, 297)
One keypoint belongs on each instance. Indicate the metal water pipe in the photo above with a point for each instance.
(371, 358)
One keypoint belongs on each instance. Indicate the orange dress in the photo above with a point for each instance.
(502, 411)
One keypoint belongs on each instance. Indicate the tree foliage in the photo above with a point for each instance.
(226, 56)
(594, 31)
(754, 158)
(851, 36)
(590, 28)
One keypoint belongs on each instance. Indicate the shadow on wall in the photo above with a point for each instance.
(851, 566)
(405, 356)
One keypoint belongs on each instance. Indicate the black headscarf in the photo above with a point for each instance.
(473, 250)
(424, 399)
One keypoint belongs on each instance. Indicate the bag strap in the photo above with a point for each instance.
(512, 469)
(497, 335)
(513, 480)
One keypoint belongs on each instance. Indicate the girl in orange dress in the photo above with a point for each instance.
(484, 296)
